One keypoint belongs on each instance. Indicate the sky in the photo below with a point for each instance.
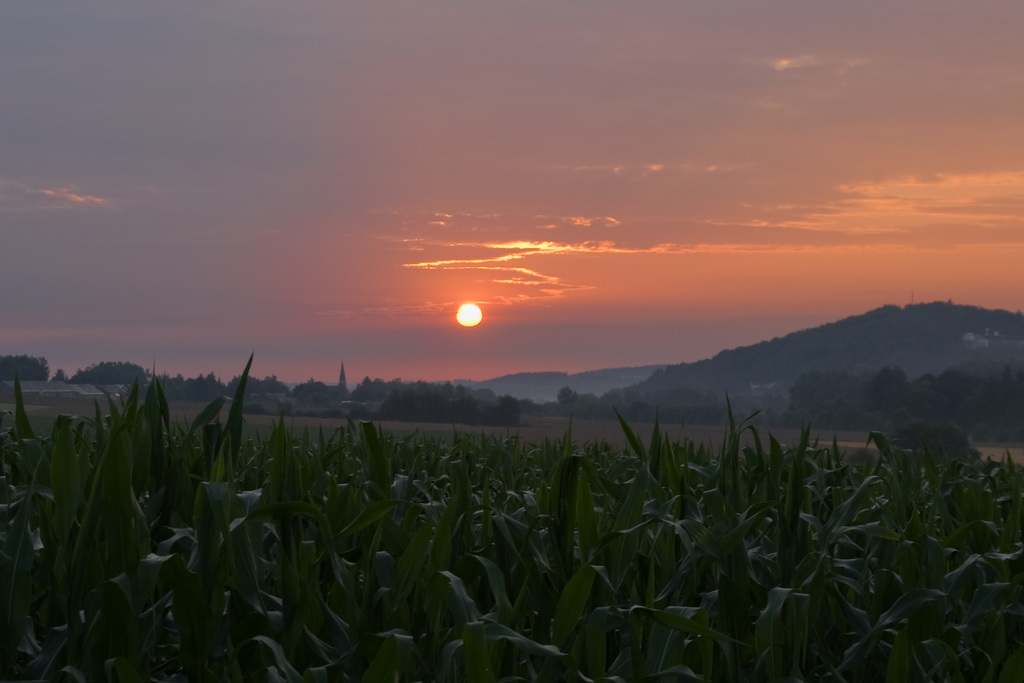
(614, 184)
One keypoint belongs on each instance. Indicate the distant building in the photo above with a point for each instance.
(975, 341)
(343, 393)
(762, 389)
(61, 389)
(114, 390)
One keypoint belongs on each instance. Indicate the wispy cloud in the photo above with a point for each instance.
(905, 204)
(495, 260)
(553, 222)
(70, 196)
(795, 62)
(642, 170)
(893, 215)
(518, 283)
(19, 196)
(911, 202)
(805, 61)
(517, 250)
(586, 221)
(419, 227)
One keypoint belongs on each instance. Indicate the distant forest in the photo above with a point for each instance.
(919, 339)
(987, 406)
(371, 399)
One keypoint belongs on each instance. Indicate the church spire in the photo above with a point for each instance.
(342, 383)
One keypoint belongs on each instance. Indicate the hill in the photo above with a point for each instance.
(544, 386)
(919, 338)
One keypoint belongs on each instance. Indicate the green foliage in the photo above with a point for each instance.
(25, 368)
(137, 549)
(376, 390)
(111, 372)
(887, 390)
(313, 393)
(566, 396)
(987, 406)
(201, 388)
(428, 402)
(934, 440)
(208, 387)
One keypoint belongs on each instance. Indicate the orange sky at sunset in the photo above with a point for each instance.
(614, 184)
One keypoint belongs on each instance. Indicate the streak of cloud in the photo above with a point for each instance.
(911, 203)
(19, 196)
(906, 205)
(794, 62)
(69, 196)
(549, 285)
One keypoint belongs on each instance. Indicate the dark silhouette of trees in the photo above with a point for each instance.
(937, 440)
(375, 391)
(111, 372)
(426, 402)
(566, 396)
(25, 368)
(314, 394)
(887, 391)
(919, 338)
(506, 412)
(988, 407)
(819, 388)
(258, 389)
(201, 388)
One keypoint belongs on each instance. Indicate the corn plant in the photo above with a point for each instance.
(133, 548)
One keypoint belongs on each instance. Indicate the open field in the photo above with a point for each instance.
(533, 429)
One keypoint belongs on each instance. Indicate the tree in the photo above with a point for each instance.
(59, 376)
(941, 440)
(200, 388)
(111, 372)
(815, 388)
(566, 396)
(504, 412)
(887, 391)
(428, 402)
(25, 368)
(258, 388)
(313, 393)
(204, 388)
(371, 391)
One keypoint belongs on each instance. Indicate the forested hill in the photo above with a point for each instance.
(544, 386)
(919, 338)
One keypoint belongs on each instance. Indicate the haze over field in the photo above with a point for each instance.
(613, 184)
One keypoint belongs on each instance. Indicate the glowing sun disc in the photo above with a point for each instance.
(469, 315)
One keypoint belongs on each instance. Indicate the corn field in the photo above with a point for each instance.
(133, 548)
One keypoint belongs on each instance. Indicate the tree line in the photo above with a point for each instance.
(988, 407)
(371, 399)
(37, 369)
(26, 368)
(940, 410)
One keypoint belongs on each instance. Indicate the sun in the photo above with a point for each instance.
(469, 315)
